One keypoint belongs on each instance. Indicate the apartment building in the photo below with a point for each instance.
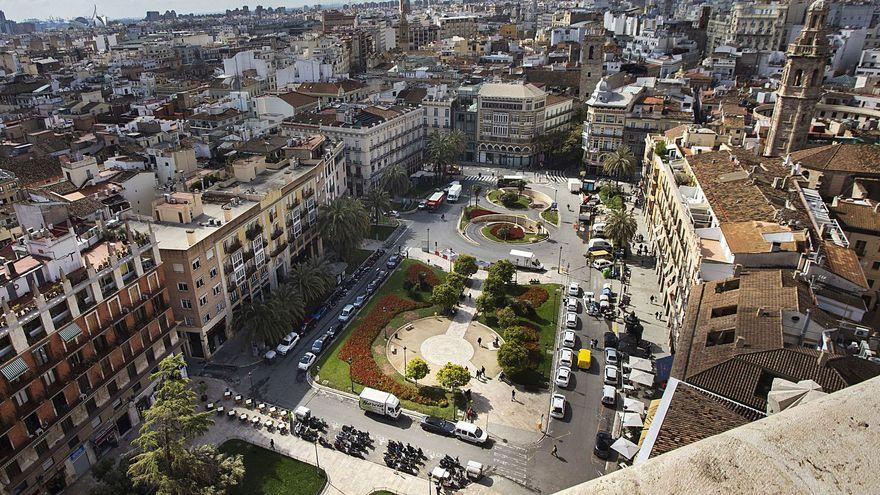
(237, 239)
(375, 136)
(85, 322)
(557, 115)
(859, 220)
(761, 26)
(460, 25)
(509, 117)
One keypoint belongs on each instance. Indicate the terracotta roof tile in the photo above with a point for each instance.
(841, 157)
(844, 262)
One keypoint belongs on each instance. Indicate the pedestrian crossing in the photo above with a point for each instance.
(540, 176)
(512, 462)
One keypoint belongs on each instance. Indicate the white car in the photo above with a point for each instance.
(307, 361)
(574, 289)
(588, 298)
(568, 339)
(566, 357)
(359, 301)
(609, 395)
(612, 375)
(602, 264)
(346, 313)
(563, 375)
(571, 304)
(557, 406)
(611, 356)
(287, 343)
(571, 320)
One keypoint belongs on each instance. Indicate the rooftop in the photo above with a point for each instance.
(510, 90)
(841, 157)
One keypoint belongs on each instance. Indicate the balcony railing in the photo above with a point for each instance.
(252, 232)
(276, 234)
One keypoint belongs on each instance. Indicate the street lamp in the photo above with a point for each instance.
(559, 265)
(404, 361)
(350, 381)
(251, 377)
(428, 245)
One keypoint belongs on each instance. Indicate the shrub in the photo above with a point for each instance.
(536, 296)
(507, 231)
(478, 212)
(465, 265)
(418, 273)
(521, 308)
(509, 198)
(513, 358)
(506, 318)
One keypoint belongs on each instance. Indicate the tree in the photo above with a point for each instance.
(618, 163)
(506, 318)
(445, 295)
(289, 303)
(456, 280)
(395, 180)
(344, 223)
(416, 369)
(453, 376)
(113, 478)
(521, 186)
(443, 149)
(660, 148)
(620, 227)
(164, 463)
(516, 334)
(378, 201)
(312, 278)
(509, 198)
(503, 270)
(466, 265)
(477, 189)
(513, 358)
(259, 318)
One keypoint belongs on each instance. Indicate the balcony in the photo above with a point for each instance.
(233, 246)
(252, 232)
(248, 255)
(278, 250)
(277, 233)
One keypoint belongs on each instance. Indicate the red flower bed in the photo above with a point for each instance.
(478, 212)
(412, 274)
(514, 233)
(534, 295)
(358, 349)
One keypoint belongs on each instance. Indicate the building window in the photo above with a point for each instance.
(720, 337)
(219, 307)
(178, 267)
(49, 378)
(209, 254)
(217, 289)
(186, 304)
(21, 397)
(860, 248)
(723, 311)
(213, 272)
(182, 287)
(200, 283)
(196, 264)
(207, 317)
(203, 300)
(41, 355)
(187, 321)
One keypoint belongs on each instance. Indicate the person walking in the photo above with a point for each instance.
(555, 451)
(480, 341)
(272, 443)
(513, 395)
(483, 371)
(652, 299)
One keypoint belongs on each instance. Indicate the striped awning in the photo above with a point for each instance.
(70, 332)
(15, 369)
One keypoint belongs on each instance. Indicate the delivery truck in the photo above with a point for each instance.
(379, 402)
(525, 260)
(574, 186)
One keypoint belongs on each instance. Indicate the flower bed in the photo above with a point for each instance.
(478, 212)
(536, 296)
(514, 232)
(412, 275)
(358, 349)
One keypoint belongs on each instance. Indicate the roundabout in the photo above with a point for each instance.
(512, 233)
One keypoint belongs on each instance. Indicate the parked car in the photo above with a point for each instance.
(287, 343)
(611, 356)
(563, 376)
(393, 214)
(317, 315)
(317, 345)
(566, 357)
(331, 332)
(574, 289)
(359, 300)
(571, 304)
(568, 339)
(437, 425)
(612, 375)
(593, 309)
(371, 287)
(602, 450)
(557, 406)
(571, 320)
(392, 261)
(307, 361)
(609, 395)
(423, 204)
(602, 264)
(470, 432)
(589, 296)
(382, 274)
(346, 313)
(610, 339)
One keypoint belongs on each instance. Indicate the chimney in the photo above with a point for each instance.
(227, 214)
(191, 237)
(737, 270)
(10, 269)
(740, 342)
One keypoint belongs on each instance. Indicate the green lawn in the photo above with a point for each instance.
(358, 257)
(487, 231)
(335, 371)
(382, 232)
(545, 321)
(522, 202)
(270, 473)
(551, 216)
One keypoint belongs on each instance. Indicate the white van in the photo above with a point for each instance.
(470, 432)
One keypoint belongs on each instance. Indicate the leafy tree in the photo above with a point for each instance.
(395, 180)
(620, 227)
(513, 357)
(164, 463)
(660, 148)
(619, 163)
(503, 270)
(506, 318)
(113, 477)
(416, 369)
(312, 278)
(456, 280)
(443, 149)
(477, 189)
(377, 200)
(288, 303)
(521, 186)
(516, 334)
(453, 376)
(344, 222)
(445, 295)
(509, 199)
(466, 265)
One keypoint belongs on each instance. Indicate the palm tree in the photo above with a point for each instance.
(395, 180)
(263, 323)
(620, 162)
(378, 201)
(477, 189)
(344, 223)
(620, 227)
(444, 149)
(290, 301)
(311, 278)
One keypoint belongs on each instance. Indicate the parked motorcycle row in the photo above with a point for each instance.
(404, 457)
(353, 442)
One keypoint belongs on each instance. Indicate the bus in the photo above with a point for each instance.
(454, 192)
(436, 199)
(510, 180)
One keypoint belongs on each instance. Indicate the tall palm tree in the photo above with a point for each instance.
(377, 200)
(444, 149)
(290, 301)
(262, 322)
(477, 189)
(312, 279)
(344, 222)
(618, 163)
(620, 227)
(395, 180)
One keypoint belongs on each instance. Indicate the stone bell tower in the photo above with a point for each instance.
(592, 60)
(801, 85)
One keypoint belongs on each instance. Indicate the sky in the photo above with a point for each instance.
(17, 10)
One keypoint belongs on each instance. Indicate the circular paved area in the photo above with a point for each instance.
(442, 349)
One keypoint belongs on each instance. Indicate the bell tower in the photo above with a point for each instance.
(801, 85)
(592, 60)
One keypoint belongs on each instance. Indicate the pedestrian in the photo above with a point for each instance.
(483, 371)
(272, 443)
(555, 452)
(480, 341)
(652, 299)
(513, 395)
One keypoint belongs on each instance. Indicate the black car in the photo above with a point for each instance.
(602, 450)
(332, 331)
(610, 339)
(437, 425)
(392, 261)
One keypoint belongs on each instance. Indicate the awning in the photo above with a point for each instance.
(638, 363)
(625, 448)
(15, 369)
(632, 420)
(633, 405)
(70, 332)
(641, 377)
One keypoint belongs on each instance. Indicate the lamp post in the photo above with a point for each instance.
(559, 265)
(350, 381)
(317, 464)
(404, 361)
(428, 244)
